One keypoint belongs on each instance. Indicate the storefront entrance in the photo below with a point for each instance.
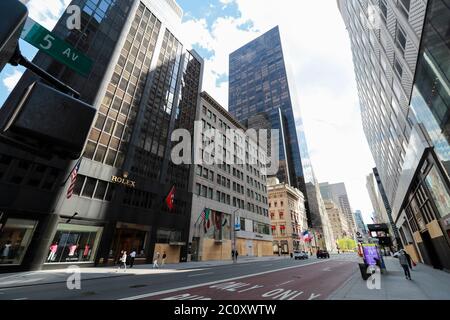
(129, 237)
(431, 251)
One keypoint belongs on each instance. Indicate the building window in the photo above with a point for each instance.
(398, 67)
(15, 237)
(438, 191)
(383, 10)
(74, 243)
(400, 39)
(210, 193)
(89, 187)
(404, 6)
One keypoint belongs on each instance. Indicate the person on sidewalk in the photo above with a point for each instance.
(408, 257)
(123, 262)
(404, 263)
(155, 261)
(132, 257)
(163, 261)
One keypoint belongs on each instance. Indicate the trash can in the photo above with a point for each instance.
(363, 269)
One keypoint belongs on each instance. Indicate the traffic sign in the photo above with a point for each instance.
(41, 38)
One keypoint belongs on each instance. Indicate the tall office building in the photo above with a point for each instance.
(337, 221)
(360, 222)
(338, 194)
(260, 94)
(144, 84)
(401, 55)
(379, 213)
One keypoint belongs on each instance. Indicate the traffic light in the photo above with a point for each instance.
(12, 19)
(51, 121)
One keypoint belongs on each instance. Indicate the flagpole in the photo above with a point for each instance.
(70, 173)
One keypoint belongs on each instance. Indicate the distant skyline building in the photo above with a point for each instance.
(380, 213)
(360, 222)
(261, 95)
(401, 55)
(337, 220)
(337, 193)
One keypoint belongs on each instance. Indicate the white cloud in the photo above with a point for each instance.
(11, 80)
(47, 12)
(317, 51)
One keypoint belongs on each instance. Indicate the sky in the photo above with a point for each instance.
(317, 52)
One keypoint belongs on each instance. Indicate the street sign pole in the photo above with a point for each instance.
(48, 42)
(19, 59)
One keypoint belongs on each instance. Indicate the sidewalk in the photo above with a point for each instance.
(426, 284)
(32, 278)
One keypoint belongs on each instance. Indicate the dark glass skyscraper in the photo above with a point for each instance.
(259, 89)
(144, 84)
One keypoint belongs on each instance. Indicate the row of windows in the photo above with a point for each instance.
(93, 188)
(26, 173)
(254, 226)
(205, 173)
(222, 197)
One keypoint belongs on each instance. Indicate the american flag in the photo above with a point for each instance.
(203, 215)
(73, 179)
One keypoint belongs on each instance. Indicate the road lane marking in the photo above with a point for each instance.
(267, 265)
(146, 295)
(19, 281)
(200, 274)
(327, 269)
(19, 275)
(285, 283)
(21, 299)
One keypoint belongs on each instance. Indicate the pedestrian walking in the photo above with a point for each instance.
(123, 261)
(402, 258)
(164, 256)
(155, 262)
(132, 256)
(408, 257)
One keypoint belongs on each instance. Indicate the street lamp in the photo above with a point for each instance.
(234, 236)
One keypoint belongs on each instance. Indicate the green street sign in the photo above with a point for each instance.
(41, 38)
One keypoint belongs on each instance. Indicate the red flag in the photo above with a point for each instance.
(170, 198)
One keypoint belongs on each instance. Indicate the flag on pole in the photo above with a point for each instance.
(73, 179)
(205, 218)
(170, 198)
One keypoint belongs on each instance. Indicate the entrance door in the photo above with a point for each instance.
(432, 254)
(249, 245)
(194, 248)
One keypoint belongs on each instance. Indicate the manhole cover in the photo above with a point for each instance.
(296, 277)
(89, 293)
(138, 286)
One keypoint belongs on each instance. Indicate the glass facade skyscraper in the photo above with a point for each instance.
(259, 95)
(401, 57)
(144, 84)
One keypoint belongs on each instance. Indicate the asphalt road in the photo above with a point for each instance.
(284, 279)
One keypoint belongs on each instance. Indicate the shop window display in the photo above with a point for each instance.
(15, 238)
(74, 243)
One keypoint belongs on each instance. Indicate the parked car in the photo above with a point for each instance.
(300, 255)
(323, 254)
